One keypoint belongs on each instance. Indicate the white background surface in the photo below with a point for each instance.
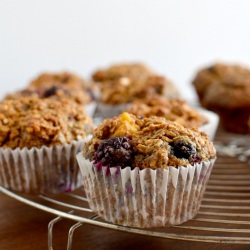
(173, 37)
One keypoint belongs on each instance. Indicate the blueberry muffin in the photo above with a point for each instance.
(60, 86)
(146, 172)
(53, 92)
(65, 79)
(225, 89)
(39, 139)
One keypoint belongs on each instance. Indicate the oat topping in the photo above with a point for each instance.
(53, 92)
(33, 122)
(155, 142)
(60, 85)
(174, 110)
(133, 71)
(125, 83)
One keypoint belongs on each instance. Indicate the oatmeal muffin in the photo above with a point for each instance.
(152, 172)
(54, 92)
(60, 86)
(225, 89)
(179, 111)
(65, 79)
(124, 83)
(39, 139)
(174, 110)
(134, 71)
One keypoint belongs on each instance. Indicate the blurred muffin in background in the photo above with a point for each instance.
(179, 111)
(174, 110)
(225, 89)
(121, 84)
(60, 86)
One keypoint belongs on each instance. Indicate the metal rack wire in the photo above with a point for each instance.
(224, 216)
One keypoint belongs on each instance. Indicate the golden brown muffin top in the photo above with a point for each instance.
(56, 92)
(228, 94)
(124, 83)
(132, 71)
(33, 122)
(150, 142)
(223, 85)
(174, 110)
(65, 79)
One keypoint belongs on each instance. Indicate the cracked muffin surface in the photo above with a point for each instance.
(150, 142)
(65, 84)
(123, 83)
(174, 110)
(33, 122)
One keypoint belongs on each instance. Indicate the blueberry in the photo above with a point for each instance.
(53, 90)
(115, 151)
(183, 149)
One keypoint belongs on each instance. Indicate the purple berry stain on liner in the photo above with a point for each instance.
(128, 188)
(68, 189)
(98, 166)
(201, 177)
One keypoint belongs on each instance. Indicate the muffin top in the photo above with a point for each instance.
(173, 109)
(223, 85)
(232, 94)
(124, 83)
(56, 92)
(33, 122)
(152, 142)
(133, 71)
(65, 79)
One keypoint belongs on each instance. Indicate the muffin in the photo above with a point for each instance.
(146, 172)
(123, 83)
(225, 89)
(179, 111)
(66, 84)
(135, 71)
(39, 139)
(174, 110)
(54, 92)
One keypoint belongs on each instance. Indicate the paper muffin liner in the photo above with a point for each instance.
(145, 198)
(109, 111)
(41, 170)
(90, 108)
(213, 121)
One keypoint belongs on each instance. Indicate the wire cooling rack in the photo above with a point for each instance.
(224, 216)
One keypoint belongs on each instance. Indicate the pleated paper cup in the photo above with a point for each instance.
(41, 170)
(109, 111)
(145, 198)
(90, 109)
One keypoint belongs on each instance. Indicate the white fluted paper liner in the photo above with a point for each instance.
(90, 108)
(41, 170)
(213, 121)
(145, 198)
(109, 111)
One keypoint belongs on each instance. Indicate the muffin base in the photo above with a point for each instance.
(41, 170)
(145, 198)
(235, 120)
